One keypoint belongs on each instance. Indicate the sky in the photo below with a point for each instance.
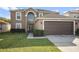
(5, 11)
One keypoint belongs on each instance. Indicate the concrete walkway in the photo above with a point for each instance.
(66, 43)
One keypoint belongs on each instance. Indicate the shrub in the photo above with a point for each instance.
(38, 32)
(17, 30)
(77, 32)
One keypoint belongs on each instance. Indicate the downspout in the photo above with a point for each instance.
(74, 27)
(43, 24)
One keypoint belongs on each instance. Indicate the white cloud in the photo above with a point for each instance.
(13, 8)
(65, 11)
(74, 9)
(9, 8)
(5, 16)
(56, 10)
(77, 9)
(5, 8)
(41, 3)
(8, 17)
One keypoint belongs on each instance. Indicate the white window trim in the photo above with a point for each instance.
(16, 15)
(20, 26)
(40, 14)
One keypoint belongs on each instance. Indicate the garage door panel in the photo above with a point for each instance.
(58, 28)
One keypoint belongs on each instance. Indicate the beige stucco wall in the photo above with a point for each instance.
(76, 24)
(6, 27)
(39, 24)
(74, 15)
(71, 15)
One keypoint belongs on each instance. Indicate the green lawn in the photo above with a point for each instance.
(18, 42)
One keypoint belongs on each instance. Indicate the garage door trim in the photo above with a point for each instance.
(64, 21)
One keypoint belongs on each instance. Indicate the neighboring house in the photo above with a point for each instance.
(49, 21)
(73, 13)
(4, 26)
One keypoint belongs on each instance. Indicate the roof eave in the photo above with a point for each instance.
(58, 18)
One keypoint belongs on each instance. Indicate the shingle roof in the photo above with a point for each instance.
(51, 15)
(37, 10)
(73, 12)
(46, 11)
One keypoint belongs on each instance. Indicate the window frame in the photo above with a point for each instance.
(17, 15)
(19, 24)
(40, 14)
(0, 26)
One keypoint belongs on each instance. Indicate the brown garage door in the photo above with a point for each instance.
(58, 27)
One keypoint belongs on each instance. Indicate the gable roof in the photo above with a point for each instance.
(73, 12)
(30, 9)
(47, 11)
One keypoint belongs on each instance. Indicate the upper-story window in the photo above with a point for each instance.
(18, 15)
(30, 16)
(40, 14)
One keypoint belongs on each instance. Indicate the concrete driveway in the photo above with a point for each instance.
(66, 43)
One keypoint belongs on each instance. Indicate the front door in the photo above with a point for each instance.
(30, 18)
(30, 27)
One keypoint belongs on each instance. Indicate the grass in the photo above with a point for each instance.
(18, 42)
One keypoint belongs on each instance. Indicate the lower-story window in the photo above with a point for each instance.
(18, 26)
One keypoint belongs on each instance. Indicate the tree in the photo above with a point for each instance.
(5, 19)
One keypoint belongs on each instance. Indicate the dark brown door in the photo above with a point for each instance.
(58, 27)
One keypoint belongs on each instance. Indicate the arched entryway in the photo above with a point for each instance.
(30, 19)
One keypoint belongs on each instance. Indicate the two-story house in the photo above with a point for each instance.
(50, 21)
